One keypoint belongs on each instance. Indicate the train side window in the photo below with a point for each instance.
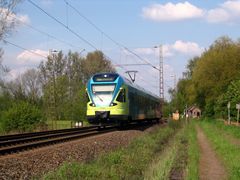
(121, 96)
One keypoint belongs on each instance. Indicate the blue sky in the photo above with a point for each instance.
(184, 28)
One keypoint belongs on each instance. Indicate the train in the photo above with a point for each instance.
(113, 99)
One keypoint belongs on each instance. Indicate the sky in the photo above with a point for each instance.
(185, 29)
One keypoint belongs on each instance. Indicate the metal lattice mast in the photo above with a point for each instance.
(161, 87)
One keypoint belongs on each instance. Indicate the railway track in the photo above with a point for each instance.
(20, 142)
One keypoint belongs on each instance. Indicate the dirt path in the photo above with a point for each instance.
(210, 168)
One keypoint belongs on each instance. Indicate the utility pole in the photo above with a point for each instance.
(161, 87)
(174, 82)
(52, 97)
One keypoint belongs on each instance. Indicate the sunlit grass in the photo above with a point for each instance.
(227, 151)
(192, 171)
(125, 163)
(161, 166)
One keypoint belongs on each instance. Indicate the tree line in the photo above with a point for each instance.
(211, 80)
(54, 91)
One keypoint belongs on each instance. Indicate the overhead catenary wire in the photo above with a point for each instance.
(86, 41)
(64, 25)
(109, 37)
(20, 47)
(106, 35)
(44, 33)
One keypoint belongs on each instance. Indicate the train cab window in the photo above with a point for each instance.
(121, 96)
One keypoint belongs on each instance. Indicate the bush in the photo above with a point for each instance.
(22, 117)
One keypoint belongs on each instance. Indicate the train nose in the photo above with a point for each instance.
(102, 114)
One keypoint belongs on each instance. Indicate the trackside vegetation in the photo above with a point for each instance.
(56, 88)
(211, 80)
(226, 142)
(125, 163)
(168, 152)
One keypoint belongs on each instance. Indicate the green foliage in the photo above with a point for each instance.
(209, 77)
(64, 79)
(129, 163)
(22, 117)
(209, 109)
(233, 96)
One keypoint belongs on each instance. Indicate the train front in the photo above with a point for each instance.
(106, 99)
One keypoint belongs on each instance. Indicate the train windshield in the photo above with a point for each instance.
(103, 94)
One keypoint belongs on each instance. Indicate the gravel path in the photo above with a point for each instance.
(210, 166)
(39, 161)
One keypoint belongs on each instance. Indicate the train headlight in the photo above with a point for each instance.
(92, 104)
(113, 104)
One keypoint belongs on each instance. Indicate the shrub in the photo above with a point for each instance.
(22, 116)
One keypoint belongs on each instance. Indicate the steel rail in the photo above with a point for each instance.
(27, 139)
(44, 142)
(19, 136)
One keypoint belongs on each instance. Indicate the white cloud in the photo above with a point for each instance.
(190, 48)
(12, 18)
(30, 59)
(217, 15)
(172, 12)
(169, 50)
(227, 12)
(232, 6)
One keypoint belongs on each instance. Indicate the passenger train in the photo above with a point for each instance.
(113, 99)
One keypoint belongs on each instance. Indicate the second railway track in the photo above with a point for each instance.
(21, 142)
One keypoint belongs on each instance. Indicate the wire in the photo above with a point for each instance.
(62, 24)
(20, 47)
(44, 33)
(83, 39)
(106, 35)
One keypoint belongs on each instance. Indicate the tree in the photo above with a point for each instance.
(209, 77)
(7, 24)
(22, 116)
(232, 95)
(31, 85)
(64, 78)
(96, 62)
(54, 81)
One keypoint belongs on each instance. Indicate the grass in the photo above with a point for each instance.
(179, 158)
(125, 163)
(227, 151)
(192, 171)
(167, 159)
(63, 124)
(59, 124)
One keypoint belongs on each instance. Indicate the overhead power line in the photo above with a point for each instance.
(20, 47)
(83, 39)
(106, 35)
(64, 25)
(44, 33)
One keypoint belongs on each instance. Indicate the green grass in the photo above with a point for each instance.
(59, 124)
(63, 124)
(227, 151)
(167, 159)
(192, 171)
(125, 163)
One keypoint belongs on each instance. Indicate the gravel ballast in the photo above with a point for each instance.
(36, 162)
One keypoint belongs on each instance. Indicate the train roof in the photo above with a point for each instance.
(111, 77)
